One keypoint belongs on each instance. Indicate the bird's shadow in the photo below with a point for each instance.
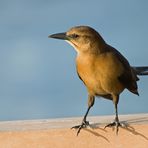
(95, 133)
(131, 129)
(126, 125)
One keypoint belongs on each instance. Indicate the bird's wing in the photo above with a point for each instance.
(128, 78)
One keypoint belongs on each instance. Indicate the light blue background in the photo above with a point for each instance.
(37, 75)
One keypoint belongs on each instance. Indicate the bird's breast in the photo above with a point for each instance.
(87, 72)
(100, 73)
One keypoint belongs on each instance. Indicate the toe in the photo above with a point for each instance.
(110, 125)
(79, 127)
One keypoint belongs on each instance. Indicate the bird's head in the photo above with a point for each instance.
(82, 38)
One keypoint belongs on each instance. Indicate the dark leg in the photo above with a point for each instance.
(85, 123)
(116, 123)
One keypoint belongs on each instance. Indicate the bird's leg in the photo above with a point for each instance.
(85, 123)
(116, 122)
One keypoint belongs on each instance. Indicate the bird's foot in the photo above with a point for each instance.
(79, 127)
(115, 124)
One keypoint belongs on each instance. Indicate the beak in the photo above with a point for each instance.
(61, 36)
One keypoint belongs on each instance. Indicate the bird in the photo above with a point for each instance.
(103, 69)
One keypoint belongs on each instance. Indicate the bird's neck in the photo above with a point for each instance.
(93, 50)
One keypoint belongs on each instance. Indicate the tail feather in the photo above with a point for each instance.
(142, 70)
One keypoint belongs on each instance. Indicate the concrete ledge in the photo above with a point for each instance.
(56, 133)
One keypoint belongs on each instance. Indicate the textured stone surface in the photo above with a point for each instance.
(56, 133)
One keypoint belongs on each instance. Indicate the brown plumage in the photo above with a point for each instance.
(104, 70)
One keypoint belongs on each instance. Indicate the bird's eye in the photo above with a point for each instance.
(74, 36)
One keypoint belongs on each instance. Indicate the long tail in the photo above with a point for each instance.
(142, 70)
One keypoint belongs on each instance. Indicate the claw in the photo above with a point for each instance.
(79, 127)
(116, 124)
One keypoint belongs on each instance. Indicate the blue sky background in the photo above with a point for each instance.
(37, 75)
